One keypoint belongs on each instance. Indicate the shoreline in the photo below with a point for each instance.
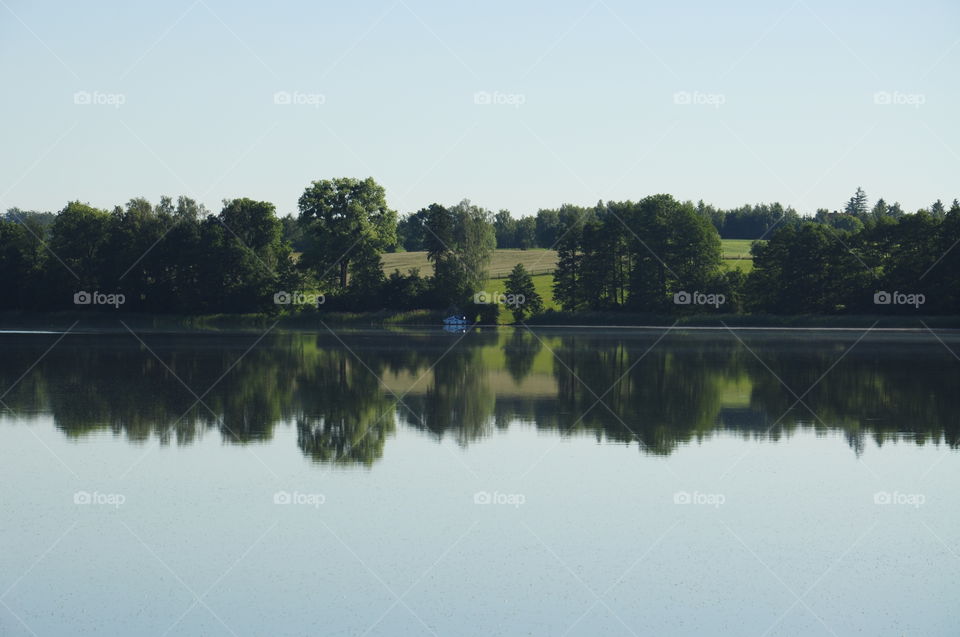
(58, 322)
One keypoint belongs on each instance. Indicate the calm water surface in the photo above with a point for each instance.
(498, 482)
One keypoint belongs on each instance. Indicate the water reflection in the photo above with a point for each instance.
(346, 394)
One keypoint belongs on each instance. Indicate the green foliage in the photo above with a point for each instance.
(248, 251)
(349, 224)
(22, 263)
(817, 269)
(636, 255)
(526, 233)
(516, 233)
(521, 290)
(486, 313)
(460, 241)
(505, 229)
(405, 292)
(627, 257)
(411, 233)
(548, 228)
(937, 210)
(161, 259)
(567, 276)
(844, 221)
(293, 233)
(40, 219)
(857, 204)
(344, 417)
(78, 240)
(749, 222)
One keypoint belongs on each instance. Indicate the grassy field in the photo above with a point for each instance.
(736, 255)
(540, 263)
(744, 265)
(735, 248)
(542, 282)
(537, 261)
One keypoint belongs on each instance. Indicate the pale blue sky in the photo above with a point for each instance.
(782, 96)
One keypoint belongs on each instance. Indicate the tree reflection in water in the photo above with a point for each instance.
(623, 386)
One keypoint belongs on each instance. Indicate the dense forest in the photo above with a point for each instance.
(657, 255)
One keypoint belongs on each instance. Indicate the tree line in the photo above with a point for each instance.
(656, 255)
(749, 221)
(169, 257)
(662, 256)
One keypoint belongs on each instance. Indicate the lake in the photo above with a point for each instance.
(493, 482)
